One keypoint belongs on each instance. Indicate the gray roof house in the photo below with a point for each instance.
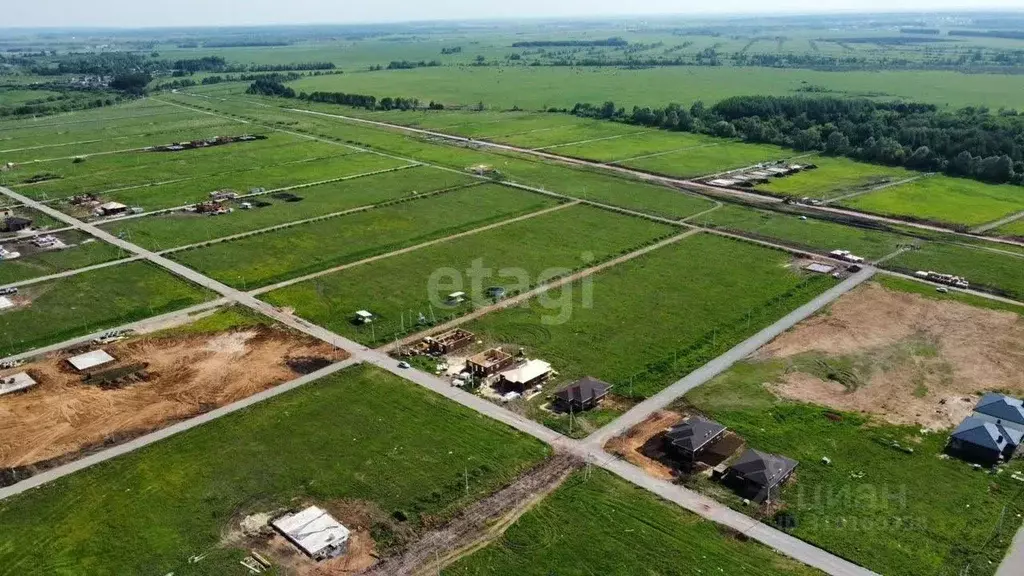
(984, 442)
(1001, 409)
(687, 439)
(758, 475)
(582, 394)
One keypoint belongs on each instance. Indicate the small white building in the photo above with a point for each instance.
(5, 303)
(364, 317)
(90, 360)
(112, 208)
(456, 298)
(15, 382)
(315, 532)
(526, 375)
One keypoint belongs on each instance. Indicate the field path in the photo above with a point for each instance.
(986, 227)
(876, 188)
(588, 141)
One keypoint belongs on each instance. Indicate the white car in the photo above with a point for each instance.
(403, 364)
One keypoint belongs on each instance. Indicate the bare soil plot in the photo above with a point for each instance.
(903, 357)
(185, 374)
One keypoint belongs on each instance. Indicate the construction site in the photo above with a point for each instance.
(900, 356)
(96, 395)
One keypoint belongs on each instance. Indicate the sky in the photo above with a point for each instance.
(145, 13)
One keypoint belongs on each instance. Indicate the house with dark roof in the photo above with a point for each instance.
(16, 224)
(1002, 410)
(581, 395)
(758, 475)
(686, 440)
(984, 442)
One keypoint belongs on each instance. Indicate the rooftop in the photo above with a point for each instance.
(974, 430)
(312, 530)
(584, 390)
(527, 372)
(15, 382)
(762, 468)
(90, 360)
(1002, 407)
(694, 433)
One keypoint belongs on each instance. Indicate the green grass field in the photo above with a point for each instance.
(82, 251)
(273, 177)
(398, 289)
(92, 301)
(617, 529)
(167, 230)
(819, 236)
(945, 200)
(707, 160)
(835, 176)
(535, 88)
(278, 255)
(653, 319)
(996, 272)
(892, 512)
(638, 145)
(1013, 229)
(113, 171)
(360, 435)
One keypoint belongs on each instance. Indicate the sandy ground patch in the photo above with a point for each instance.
(919, 361)
(630, 444)
(187, 375)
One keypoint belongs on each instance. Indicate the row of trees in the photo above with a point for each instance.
(970, 142)
(272, 87)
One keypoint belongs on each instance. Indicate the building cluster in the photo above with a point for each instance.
(947, 279)
(759, 174)
(992, 433)
(205, 143)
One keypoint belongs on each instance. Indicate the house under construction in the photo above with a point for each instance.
(448, 342)
(489, 362)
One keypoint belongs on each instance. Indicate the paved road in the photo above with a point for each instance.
(635, 174)
(641, 411)
(1013, 563)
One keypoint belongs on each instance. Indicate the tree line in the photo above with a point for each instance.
(272, 87)
(571, 43)
(970, 142)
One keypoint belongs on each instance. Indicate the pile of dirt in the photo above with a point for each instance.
(917, 361)
(186, 376)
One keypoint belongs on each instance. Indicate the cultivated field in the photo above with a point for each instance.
(181, 372)
(626, 532)
(279, 255)
(707, 160)
(171, 229)
(881, 370)
(951, 201)
(399, 289)
(393, 458)
(1001, 272)
(836, 176)
(57, 310)
(652, 319)
(819, 236)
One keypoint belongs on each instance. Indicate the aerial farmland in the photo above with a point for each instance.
(667, 297)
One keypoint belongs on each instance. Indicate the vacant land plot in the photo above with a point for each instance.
(282, 254)
(627, 531)
(706, 160)
(58, 310)
(564, 130)
(881, 372)
(81, 251)
(1014, 229)
(274, 177)
(648, 143)
(656, 318)
(814, 235)
(62, 178)
(944, 200)
(399, 457)
(997, 272)
(170, 229)
(40, 220)
(180, 373)
(835, 176)
(516, 257)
